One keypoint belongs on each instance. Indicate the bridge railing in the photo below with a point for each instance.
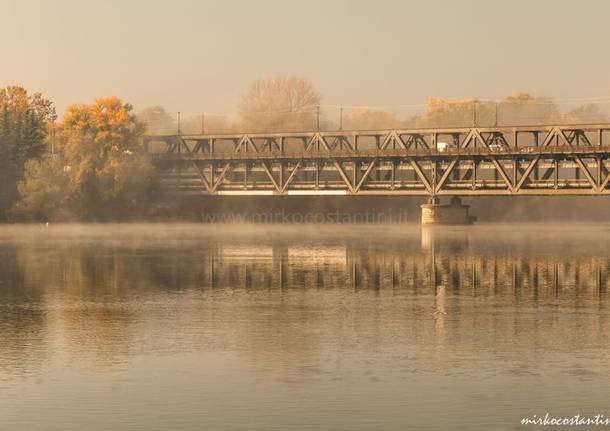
(330, 154)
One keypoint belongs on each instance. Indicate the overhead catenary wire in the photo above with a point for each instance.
(322, 107)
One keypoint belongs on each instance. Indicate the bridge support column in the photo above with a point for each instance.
(435, 213)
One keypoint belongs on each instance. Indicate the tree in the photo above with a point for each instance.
(109, 125)
(157, 121)
(44, 191)
(456, 113)
(25, 120)
(99, 150)
(369, 119)
(520, 108)
(589, 113)
(281, 103)
(208, 123)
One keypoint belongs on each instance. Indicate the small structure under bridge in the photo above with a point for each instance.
(502, 161)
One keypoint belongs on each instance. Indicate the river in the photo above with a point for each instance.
(347, 327)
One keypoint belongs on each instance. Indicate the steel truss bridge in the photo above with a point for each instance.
(536, 160)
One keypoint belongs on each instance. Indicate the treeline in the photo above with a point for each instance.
(87, 167)
(293, 104)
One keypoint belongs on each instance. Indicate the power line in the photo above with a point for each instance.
(422, 106)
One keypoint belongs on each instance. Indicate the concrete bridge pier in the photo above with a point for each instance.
(454, 213)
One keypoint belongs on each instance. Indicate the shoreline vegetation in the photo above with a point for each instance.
(89, 166)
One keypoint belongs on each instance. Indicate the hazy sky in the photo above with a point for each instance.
(198, 56)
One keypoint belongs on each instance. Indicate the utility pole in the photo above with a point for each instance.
(474, 113)
(318, 118)
(496, 123)
(203, 124)
(179, 131)
(341, 118)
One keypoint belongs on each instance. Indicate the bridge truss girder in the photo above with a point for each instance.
(553, 160)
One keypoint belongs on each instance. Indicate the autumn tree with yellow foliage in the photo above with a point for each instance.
(98, 171)
(520, 108)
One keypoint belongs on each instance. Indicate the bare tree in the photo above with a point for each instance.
(365, 118)
(280, 103)
(157, 120)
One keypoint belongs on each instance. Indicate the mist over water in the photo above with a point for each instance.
(301, 327)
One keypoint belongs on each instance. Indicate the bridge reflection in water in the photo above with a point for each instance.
(440, 263)
(530, 262)
(447, 277)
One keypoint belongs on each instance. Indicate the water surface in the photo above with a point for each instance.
(190, 327)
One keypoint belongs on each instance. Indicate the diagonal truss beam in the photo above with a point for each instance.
(369, 169)
(421, 175)
(290, 177)
(221, 177)
(527, 173)
(344, 176)
(393, 138)
(604, 183)
(502, 172)
(446, 174)
(204, 180)
(585, 170)
(270, 175)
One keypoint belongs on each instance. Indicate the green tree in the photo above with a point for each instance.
(25, 120)
(44, 191)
